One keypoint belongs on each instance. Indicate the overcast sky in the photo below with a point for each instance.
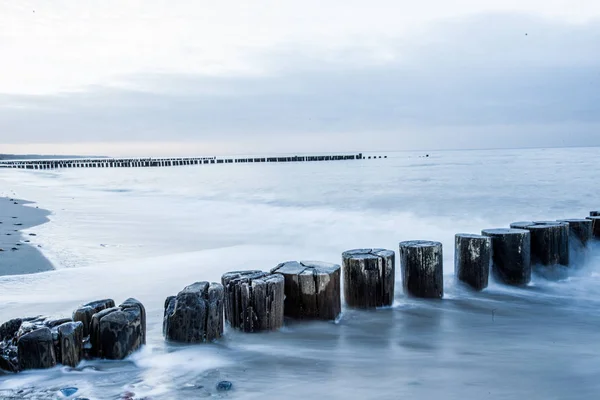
(154, 77)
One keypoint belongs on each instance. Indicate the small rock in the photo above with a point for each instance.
(1, 249)
(14, 249)
(127, 396)
(32, 234)
(68, 391)
(19, 224)
(8, 234)
(224, 386)
(27, 241)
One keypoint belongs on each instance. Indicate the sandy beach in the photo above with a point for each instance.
(17, 255)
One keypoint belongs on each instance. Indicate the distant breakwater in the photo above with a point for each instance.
(170, 162)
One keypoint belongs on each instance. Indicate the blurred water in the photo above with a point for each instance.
(147, 233)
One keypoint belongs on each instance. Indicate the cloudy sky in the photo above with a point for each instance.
(159, 77)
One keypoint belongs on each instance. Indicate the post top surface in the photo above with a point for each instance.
(299, 267)
(504, 231)
(367, 253)
(470, 236)
(420, 243)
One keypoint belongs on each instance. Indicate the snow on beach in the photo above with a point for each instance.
(147, 233)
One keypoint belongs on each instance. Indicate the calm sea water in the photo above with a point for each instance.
(146, 233)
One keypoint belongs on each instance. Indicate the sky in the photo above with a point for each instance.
(150, 78)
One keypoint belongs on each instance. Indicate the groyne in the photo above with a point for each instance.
(171, 162)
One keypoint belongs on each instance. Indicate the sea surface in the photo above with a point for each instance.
(148, 232)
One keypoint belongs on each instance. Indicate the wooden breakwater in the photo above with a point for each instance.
(257, 300)
(170, 162)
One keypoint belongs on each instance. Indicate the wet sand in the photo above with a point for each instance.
(17, 255)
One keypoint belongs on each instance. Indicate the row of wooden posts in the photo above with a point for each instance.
(169, 162)
(258, 301)
(255, 301)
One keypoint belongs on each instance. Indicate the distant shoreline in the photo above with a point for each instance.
(41, 157)
(18, 256)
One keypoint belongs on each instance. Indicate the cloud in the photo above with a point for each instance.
(500, 80)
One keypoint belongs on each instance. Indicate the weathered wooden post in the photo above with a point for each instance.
(312, 289)
(369, 276)
(595, 226)
(195, 315)
(549, 241)
(511, 255)
(422, 268)
(472, 259)
(87, 311)
(117, 332)
(36, 350)
(580, 231)
(70, 340)
(253, 300)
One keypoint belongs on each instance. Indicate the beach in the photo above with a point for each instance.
(147, 233)
(17, 255)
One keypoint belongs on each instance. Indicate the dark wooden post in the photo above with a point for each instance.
(511, 255)
(422, 268)
(549, 241)
(369, 277)
(595, 226)
(253, 300)
(472, 259)
(195, 315)
(312, 289)
(36, 350)
(580, 231)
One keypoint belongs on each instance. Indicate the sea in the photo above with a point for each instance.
(148, 232)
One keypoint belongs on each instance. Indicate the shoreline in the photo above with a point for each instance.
(17, 255)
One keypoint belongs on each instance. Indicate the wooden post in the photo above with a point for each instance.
(36, 350)
(595, 226)
(369, 276)
(580, 231)
(422, 268)
(549, 241)
(472, 259)
(253, 300)
(511, 255)
(312, 289)
(195, 315)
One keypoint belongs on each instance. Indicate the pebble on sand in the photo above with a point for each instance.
(224, 386)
